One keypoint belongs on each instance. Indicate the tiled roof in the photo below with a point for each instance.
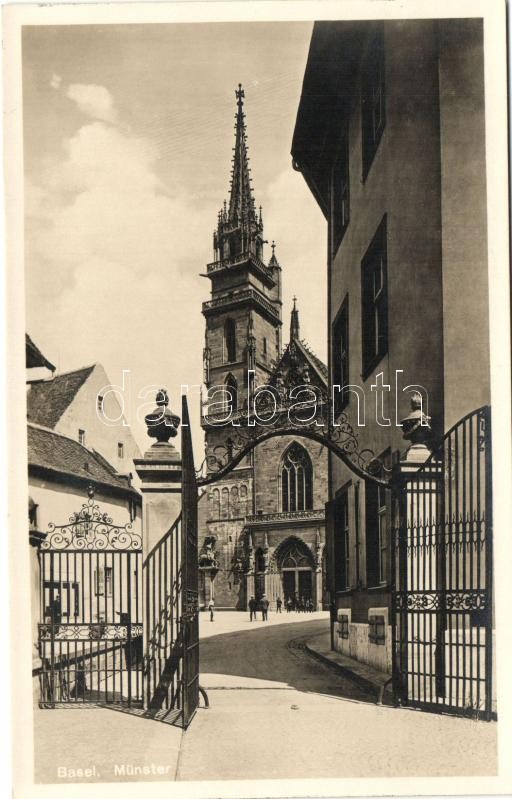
(48, 399)
(57, 453)
(34, 357)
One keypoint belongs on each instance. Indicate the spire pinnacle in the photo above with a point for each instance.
(241, 201)
(294, 322)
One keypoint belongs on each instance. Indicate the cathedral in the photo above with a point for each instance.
(262, 527)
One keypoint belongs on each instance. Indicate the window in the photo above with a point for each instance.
(343, 629)
(244, 500)
(235, 504)
(377, 630)
(340, 355)
(340, 193)
(120, 449)
(296, 480)
(230, 340)
(377, 530)
(99, 402)
(231, 394)
(373, 112)
(375, 300)
(265, 347)
(81, 437)
(224, 503)
(341, 544)
(103, 581)
(215, 504)
(32, 513)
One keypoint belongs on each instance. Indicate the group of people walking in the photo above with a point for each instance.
(296, 603)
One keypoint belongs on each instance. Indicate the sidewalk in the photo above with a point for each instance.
(370, 679)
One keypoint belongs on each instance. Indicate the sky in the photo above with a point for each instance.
(128, 136)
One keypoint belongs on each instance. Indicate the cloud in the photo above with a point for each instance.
(93, 100)
(113, 259)
(55, 81)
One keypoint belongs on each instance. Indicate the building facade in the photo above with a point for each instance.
(262, 528)
(390, 138)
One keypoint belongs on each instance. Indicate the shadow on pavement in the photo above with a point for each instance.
(274, 654)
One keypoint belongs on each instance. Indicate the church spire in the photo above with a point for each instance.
(294, 322)
(241, 201)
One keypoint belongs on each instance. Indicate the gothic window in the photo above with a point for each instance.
(224, 503)
(229, 340)
(244, 510)
(235, 504)
(231, 394)
(215, 506)
(296, 480)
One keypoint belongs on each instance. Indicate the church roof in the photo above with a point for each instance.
(297, 353)
(47, 400)
(65, 457)
(34, 357)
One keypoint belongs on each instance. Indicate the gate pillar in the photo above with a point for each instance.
(160, 473)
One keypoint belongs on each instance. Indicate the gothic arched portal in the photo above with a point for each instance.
(295, 565)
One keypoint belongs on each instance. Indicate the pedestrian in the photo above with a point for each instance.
(289, 604)
(279, 604)
(211, 608)
(252, 609)
(264, 607)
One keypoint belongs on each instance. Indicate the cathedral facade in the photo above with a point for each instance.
(262, 527)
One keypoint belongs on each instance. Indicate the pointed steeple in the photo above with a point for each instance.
(241, 201)
(294, 322)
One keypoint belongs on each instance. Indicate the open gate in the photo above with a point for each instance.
(190, 576)
(442, 602)
(90, 634)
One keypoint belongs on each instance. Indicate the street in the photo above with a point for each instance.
(275, 712)
(278, 713)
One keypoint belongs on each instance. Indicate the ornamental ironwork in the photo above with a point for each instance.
(437, 600)
(288, 416)
(88, 632)
(91, 529)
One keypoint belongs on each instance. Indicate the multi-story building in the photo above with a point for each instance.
(262, 527)
(390, 138)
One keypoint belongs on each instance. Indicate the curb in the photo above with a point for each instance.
(363, 682)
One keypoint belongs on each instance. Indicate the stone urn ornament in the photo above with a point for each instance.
(161, 423)
(416, 429)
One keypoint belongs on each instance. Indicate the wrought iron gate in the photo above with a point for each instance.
(90, 635)
(190, 573)
(442, 603)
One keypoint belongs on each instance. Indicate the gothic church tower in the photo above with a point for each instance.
(243, 334)
(243, 317)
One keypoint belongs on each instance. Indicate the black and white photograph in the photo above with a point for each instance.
(259, 398)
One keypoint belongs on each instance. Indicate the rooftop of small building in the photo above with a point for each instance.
(47, 400)
(63, 456)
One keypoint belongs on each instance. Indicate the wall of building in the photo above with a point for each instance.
(57, 501)
(104, 438)
(464, 217)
